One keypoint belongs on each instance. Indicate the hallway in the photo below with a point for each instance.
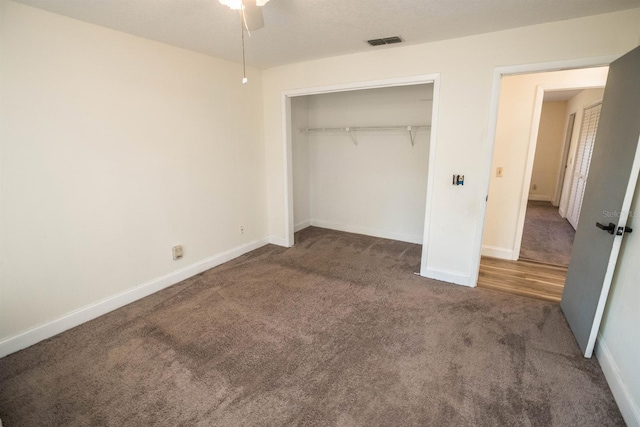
(547, 237)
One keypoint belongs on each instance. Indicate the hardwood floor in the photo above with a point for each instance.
(524, 278)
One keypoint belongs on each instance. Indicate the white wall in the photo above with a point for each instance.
(466, 66)
(511, 151)
(300, 149)
(576, 105)
(546, 165)
(618, 347)
(114, 149)
(377, 187)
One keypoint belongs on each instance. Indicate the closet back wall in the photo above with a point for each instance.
(375, 187)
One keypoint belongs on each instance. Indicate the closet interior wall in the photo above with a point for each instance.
(375, 185)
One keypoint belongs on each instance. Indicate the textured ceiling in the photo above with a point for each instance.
(298, 30)
(561, 95)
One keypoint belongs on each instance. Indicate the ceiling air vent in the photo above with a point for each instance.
(386, 40)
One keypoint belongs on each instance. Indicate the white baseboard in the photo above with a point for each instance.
(301, 226)
(279, 241)
(447, 276)
(89, 312)
(539, 198)
(628, 406)
(496, 252)
(562, 213)
(409, 238)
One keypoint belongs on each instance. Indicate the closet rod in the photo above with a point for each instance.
(365, 128)
(410, 129)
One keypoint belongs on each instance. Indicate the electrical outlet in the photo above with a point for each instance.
(242, 229)
(177, 252)
(499, 172)
(535, 187)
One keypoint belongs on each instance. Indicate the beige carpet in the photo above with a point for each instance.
(336, 331)
(547, 237)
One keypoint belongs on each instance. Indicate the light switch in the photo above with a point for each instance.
(458, 179)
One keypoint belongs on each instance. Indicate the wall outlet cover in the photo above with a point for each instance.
(177, 252)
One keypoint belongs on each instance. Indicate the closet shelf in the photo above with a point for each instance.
(411, 129)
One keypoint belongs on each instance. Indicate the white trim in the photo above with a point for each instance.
(528, 169)
(496, 252)
(594, 103)
(393, 235)
(278, 241)
(288, 172)
(91, 311)
(615, 251)
(569, 64)
(561, 211)
(485, 177)
(302, 225)
(564, 159)
(627, 405)
(539, 198)
(372, 84)
(431, 172)
(448, 276)
(397, 81)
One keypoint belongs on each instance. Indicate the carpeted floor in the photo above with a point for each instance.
(336, 331)
(547, 237)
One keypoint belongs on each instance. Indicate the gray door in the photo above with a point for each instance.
(612, 180)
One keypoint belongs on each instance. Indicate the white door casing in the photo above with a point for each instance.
(286, 96)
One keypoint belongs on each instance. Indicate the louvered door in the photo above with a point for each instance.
(582, 161)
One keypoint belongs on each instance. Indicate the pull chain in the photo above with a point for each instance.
(244, 67)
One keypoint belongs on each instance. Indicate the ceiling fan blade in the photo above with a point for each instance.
(253, 18)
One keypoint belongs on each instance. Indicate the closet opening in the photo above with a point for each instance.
(359, 159)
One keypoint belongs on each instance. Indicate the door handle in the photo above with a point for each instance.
(611, 228)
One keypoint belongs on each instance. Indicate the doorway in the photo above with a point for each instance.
(350, 135)
(562, 154)
(527, 239)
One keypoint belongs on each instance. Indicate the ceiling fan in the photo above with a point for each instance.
(250, 12)
(250, 17)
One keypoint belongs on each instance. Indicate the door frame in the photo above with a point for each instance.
(568, 138)
(531, 154)
(485, 177)
(285, 98)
